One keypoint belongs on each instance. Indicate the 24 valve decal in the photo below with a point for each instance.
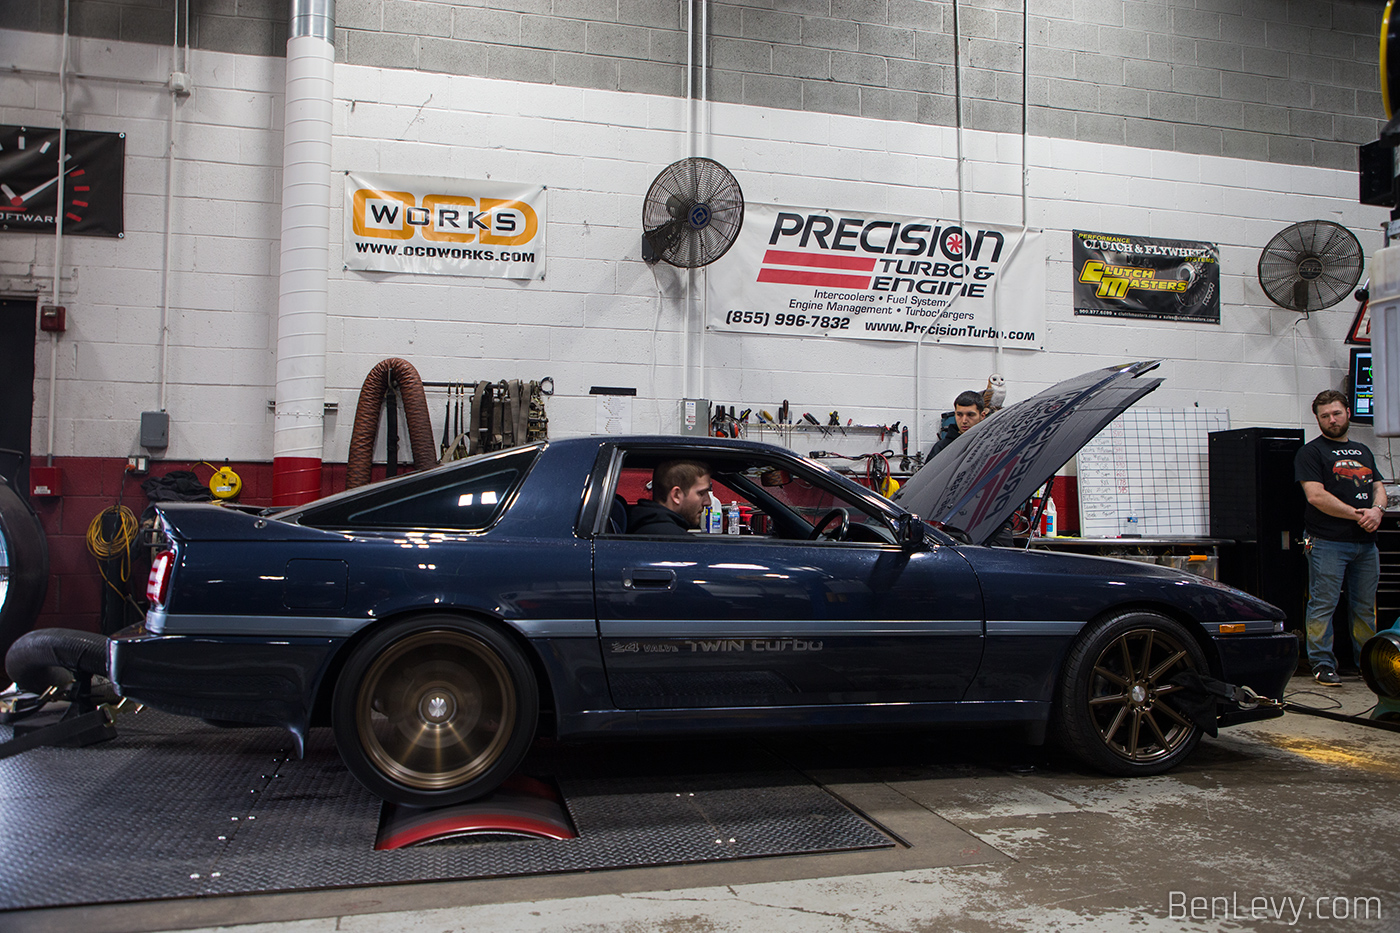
(880, 277)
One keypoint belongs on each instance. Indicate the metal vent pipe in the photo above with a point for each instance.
(299, 421)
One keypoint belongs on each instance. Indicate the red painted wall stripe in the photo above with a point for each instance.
(295, 480)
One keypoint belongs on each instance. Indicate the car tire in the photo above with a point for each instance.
(1114, 710)
(24, 568)
(434, 710)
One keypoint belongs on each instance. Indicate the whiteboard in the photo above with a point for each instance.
(1147, 473)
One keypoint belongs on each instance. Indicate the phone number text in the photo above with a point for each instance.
(764, 319)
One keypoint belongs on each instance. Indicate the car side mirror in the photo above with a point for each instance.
(775, 477)
(912, 532)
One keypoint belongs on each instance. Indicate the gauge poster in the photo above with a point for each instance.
(89, 182)
(803, 272)
(1143, 277)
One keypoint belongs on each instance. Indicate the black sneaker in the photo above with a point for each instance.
(1327, 677)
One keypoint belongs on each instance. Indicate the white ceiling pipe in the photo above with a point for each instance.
(299, 422)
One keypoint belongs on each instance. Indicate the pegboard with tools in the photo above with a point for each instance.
(869, 452)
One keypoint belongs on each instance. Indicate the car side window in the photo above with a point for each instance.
(771, 501)
(465, 498)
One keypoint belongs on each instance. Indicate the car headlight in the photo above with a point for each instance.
(1380, 664)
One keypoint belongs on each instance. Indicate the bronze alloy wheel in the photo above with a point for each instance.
(1129, 687)
(435, 709)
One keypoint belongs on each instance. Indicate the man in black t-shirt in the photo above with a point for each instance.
(1346, 500)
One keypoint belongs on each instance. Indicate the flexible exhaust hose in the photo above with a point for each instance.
(50, 657)
(415, 412)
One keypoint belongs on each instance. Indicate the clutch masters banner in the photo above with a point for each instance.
(1138, 276)
(444, 226)
(798, 270)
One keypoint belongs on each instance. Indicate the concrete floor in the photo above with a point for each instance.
(1285, 824)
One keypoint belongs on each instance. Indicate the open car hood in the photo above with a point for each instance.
(976, 482)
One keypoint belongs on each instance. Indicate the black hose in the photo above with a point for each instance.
(1343, 717)
(55, 657)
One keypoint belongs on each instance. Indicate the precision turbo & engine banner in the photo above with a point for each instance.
(798, 271)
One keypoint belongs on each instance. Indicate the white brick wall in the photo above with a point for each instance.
(601, 316)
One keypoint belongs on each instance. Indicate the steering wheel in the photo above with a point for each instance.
(827, 519)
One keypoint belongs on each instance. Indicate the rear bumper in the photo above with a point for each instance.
(1261, 662)
(238, 679)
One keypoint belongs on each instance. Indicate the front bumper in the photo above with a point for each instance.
(1261, 662)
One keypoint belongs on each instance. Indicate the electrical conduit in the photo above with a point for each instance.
(299, 422)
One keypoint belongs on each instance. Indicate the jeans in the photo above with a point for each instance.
(1329, 563)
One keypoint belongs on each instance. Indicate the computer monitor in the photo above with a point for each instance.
(1359, 384)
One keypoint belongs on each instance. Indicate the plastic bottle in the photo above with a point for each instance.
(714, 518)
(1050, 519)
(731, 518)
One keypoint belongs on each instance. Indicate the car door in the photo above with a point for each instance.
(752, 620)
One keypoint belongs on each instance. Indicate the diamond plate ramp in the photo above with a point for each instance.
(176, 808)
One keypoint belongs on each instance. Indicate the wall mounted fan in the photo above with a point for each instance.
(692, 213)
(1310, 266)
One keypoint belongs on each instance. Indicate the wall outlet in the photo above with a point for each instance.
(138, 464)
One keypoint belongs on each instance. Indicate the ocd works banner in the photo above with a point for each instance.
(444, 226)
(1144, 277)
(797, 270)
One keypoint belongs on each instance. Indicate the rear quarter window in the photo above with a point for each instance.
(467, 498)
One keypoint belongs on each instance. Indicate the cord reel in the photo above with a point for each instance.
(225, 483)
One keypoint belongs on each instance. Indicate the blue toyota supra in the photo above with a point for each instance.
(439, 621)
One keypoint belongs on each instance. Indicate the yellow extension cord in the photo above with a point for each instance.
(118, 546)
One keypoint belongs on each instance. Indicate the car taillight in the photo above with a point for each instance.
(158, 583)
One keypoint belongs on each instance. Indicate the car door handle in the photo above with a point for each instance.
(648, 579)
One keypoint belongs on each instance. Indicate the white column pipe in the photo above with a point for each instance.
(962, 226)
(1025, 183)
(176, 64)
(704, 315)
(298, 424)
(1025, 195)
(690, 147)
(58, 230)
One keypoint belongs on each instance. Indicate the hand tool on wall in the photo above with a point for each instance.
(446, 427)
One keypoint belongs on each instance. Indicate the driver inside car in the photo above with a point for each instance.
(680, 490)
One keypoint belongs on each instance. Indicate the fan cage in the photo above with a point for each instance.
(675, 230)
(1310, 266)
